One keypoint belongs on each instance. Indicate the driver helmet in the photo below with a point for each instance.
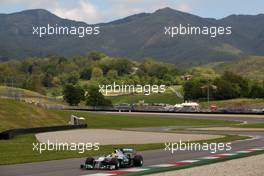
(114, 154)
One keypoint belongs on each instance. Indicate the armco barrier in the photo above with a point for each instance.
(8, 134)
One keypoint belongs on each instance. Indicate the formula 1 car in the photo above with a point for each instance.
(120, 158)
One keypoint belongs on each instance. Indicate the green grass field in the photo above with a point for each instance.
(15, 114)
(252, 125)
(236, 102)
(117, 121)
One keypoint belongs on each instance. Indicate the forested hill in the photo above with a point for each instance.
(135, 37)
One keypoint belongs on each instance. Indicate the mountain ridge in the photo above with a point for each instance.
(137, 37)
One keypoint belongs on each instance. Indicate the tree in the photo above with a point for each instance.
(105, 64)
(158, 71)
(86, 73)
(122, 66)
(192, 89)
(96, 98)
(168, 79)
(237, 81)
(112, 74)
(226, 89)
(94, 55)
(203, 72)
(256, 91)
(73, 77)
(32, 82)
(47, 80)
(97, 73)
(73, 94)
(36, 83)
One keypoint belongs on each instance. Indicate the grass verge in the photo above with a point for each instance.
(239, 102)
(117, 121)
(251, 125)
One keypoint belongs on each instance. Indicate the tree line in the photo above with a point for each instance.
(74, 94)
(76, 78)
(40, 74)
(228, 86)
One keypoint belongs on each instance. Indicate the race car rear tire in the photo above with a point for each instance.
(138, 161)
(89, 161)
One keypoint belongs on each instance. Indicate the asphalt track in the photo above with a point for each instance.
(70, 167)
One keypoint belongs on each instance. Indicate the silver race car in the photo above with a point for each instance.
(120, 158)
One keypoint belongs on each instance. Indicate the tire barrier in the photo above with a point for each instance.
(9, 134)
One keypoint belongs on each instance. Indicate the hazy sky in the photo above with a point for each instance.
(95, 11)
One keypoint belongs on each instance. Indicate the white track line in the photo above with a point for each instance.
(135, 169)
(227, 154)
(162, 165)
(189, 161)
(244, 151)
(257, 149)
(209, 157)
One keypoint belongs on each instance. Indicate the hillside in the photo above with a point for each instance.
(15, 114)
(30, 96)
(11, 91)
(135, 37)
(251, 67)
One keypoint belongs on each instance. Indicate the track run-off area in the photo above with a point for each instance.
(158, 160)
